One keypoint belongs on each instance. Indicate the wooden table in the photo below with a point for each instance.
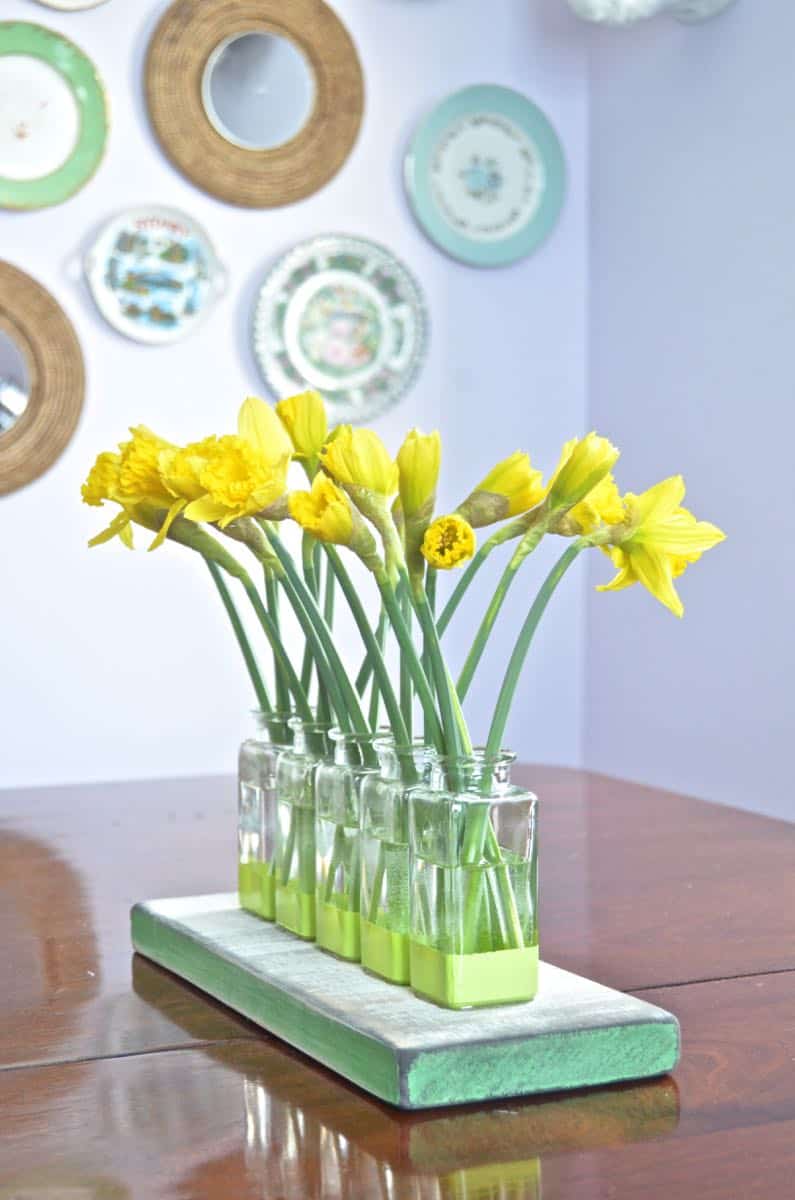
(117, 1080)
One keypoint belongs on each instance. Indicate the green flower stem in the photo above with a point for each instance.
(456, 736)
(272, 597)
(324, 711)
(187, 534)
(381, 673)
(406, 694)
(525, 548)
(366, 669)
(342, 694)
(418, 676)
(312, 580)
(263, 700)
(506, 533)
(272, 634)
(517, 660)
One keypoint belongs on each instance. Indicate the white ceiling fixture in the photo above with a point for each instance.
(627, 12)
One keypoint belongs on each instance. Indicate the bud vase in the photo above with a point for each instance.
(296, 768)
(385, 857)
(256, 808)
(338, 840)
(474, 885)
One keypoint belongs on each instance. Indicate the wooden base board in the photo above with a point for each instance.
(381, 1037)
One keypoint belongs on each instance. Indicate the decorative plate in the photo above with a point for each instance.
(71, 5)
(53, 117)
(485, 175)
(153, 274)
(341, 315)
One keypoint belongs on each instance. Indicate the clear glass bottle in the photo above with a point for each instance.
(256, 809)
(296, 769)
(474, 885)
(338, 842)
(385, 856)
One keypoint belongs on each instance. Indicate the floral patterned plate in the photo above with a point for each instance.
(485, 176)
(153, 274)
(341, 315)
(53, 117)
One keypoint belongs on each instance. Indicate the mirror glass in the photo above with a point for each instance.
(258, 90)
(14, 382)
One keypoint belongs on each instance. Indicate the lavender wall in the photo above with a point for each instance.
(120, 666)
(692, 306)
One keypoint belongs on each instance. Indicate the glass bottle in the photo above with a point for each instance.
(338, 842)
(385, 857)
(296, 768)
(474, 885)
(256, 808)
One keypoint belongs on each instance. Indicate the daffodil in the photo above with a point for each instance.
(602, 506)
(358, 459)
(449, 541)
(583, 464)
(132, 479)
(238, 482)
(327, 513)
(102, 482)
(419, 460)
(513, 486)
(657, 542)
(304, 418)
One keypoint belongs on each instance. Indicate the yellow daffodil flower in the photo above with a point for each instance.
(657, 542)
(325, 511)
(448, 542)
(258, 424)
(132, 478)
(304, 418)
(238, 482)
(602, 506)
(583, 464)
(419, 460)
(512, 487)
(357, 458)
(102, 482)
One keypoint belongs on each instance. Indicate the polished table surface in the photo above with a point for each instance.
(118, 1080)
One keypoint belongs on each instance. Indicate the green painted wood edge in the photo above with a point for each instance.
(555, 1062)
(356, 1056)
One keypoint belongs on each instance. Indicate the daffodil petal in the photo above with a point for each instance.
(173, 512)
(661, 501)
(655, 573)
(119, 522)
(205, 509)
(683, 537)
(259, 425)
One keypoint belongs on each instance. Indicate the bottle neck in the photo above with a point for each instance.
(310, 738)
(409, 764)
(354, 749)
(475, 774)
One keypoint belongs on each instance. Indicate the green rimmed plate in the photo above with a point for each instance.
(53, 117)
(485, 175)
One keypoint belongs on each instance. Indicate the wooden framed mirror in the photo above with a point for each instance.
(42, 379)
(256, 101)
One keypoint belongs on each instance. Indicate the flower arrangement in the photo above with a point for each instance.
(407, 848)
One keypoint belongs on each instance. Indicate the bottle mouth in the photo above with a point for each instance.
(478, 758)
(299, 724)
(340, 737)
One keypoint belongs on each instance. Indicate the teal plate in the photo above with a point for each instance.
(486, 176)
(53, 117)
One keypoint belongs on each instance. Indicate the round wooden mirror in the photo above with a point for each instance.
(258, 102)
(42, 379)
